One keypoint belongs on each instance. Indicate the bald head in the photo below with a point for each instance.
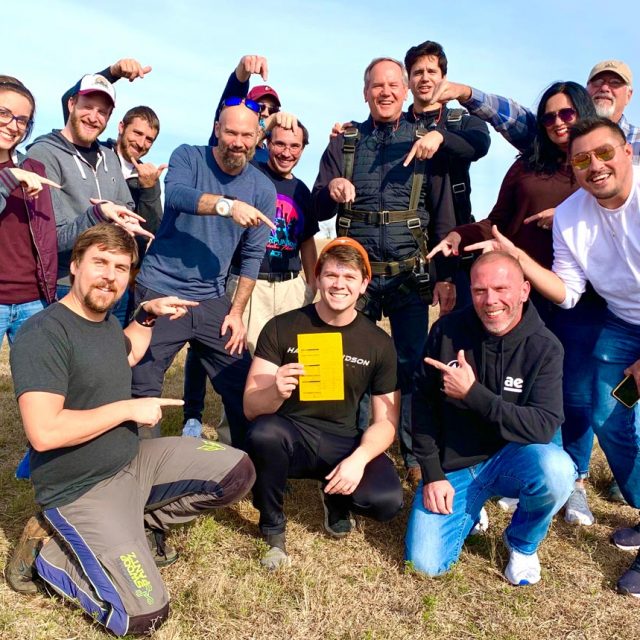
(499, 291)
(237, 133)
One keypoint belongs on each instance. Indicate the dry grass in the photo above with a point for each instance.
(354, 588)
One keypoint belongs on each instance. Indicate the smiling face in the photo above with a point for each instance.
(339, 285)
(385, 91)
(423, 77)
(237, 132)
(88, 118)
(285, 149)
(609, 181)
(11, 134)
(610, 94)
(558, 131)
(135, 139)
(498, 291)
(100, 278)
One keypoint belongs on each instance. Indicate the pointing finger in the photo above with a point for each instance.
(410, 155)
(437, 364)
(170, 402)
(51, 183)
(266, 220)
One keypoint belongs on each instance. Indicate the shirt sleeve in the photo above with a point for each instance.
(385, 378)
(470, 142)
(39, 362)
(515, 123)
(565, 265)
(267, 346)
(180, 192)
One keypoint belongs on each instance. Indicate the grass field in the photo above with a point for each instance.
(356, 588)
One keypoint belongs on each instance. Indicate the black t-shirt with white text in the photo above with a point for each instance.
(369, 360)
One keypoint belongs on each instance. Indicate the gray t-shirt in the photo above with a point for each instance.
(58, 351)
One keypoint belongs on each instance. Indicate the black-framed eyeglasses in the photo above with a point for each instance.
(269, 108)
(604, 153)
(6, 117)
(295, 148)
(235, 101)
(566, 115)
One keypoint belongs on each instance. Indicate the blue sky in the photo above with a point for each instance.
(317, 52)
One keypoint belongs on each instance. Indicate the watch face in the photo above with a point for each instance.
(223, 207)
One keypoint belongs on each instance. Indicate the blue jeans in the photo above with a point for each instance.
(578, 330)
(617, 428)
(540, 475)
(409, 318)
(12, 316)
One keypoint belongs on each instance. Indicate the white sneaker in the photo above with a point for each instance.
(482, 525)
(508, 504)
(576, 510)
(522, 570)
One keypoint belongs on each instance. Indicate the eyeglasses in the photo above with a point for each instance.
(566, 115)
(234, 102)
(582, 161)
(268, 108)
(295, 148)
(613, 83)
(6, 117)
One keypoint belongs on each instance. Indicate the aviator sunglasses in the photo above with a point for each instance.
(582, 161)
(566, 115)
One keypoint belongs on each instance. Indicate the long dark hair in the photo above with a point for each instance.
(543, 156)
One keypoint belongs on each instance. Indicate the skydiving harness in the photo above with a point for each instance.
(347, 215)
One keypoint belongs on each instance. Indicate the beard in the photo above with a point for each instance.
(233, 158)
(604, 109)
(94, 302)
(84, 139)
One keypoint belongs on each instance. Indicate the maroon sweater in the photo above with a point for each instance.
(28, 246)
(522, 194)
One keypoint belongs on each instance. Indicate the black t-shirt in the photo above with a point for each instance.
(369, 362)
(90, 154)
(294, 224)
(58, 351)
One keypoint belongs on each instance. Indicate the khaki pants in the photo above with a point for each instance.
(269, 299)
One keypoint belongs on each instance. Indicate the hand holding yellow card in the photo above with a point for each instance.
(321, 354)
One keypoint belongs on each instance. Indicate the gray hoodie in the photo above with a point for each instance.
(72, 207)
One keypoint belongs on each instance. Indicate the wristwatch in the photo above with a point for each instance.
(223, 207)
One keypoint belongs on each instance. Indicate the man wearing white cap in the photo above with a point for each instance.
(93, 188)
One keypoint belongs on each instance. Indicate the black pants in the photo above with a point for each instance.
(200, 327)
(281, 449)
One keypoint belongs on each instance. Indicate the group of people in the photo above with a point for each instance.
(103, 286)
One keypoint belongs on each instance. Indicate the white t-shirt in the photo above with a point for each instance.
(602, 246)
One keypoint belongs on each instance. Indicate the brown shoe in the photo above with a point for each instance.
(20, 570)
(414, 475)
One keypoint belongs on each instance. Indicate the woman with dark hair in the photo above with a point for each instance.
(539, 180)
(28, 247)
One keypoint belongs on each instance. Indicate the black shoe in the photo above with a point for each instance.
(337, 521)
(20, 571)
(627, 538)
(629, 582)
(163, 553)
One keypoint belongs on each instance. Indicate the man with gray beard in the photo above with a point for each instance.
(192, 252)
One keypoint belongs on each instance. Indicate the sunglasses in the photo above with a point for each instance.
(268, 108)
(250, 104)
(582, 161)
(566, 115)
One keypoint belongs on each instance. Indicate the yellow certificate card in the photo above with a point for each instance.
(322, 357)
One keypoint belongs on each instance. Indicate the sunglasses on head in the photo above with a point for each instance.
(566, 115)
(582, 161)
(250, 104)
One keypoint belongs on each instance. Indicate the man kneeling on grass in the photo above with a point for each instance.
(99, 486)
(310, 370)
(486, 403)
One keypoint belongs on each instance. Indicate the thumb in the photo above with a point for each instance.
(462, 361)
(161, 168)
